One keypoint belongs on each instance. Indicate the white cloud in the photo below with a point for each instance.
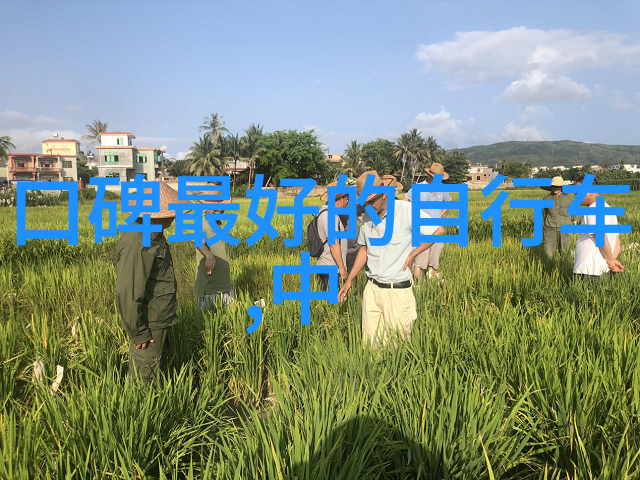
(619, 101)
(538, 62)
(537, 86)
(515, 131)
(181, 155)
(437, 124)
(27, 133)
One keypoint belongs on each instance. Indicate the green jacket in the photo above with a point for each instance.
(146, 285)
(558, 215)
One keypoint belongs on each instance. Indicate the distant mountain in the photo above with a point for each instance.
(550, 154)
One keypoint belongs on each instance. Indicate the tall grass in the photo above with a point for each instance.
(514, 370)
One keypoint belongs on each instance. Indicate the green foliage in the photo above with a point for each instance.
(513, 368)
(205, 157)
(512, 169)
(84, 172)
(565, 153)
(291, 154)
(380, 155)
(178, 168)
(455, 163)
(5, 146)
(95, 129)
(355, 159)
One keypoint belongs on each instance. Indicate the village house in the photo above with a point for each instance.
(58, 162)
(118, 157)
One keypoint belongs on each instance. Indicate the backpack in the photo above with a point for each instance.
(315, 243)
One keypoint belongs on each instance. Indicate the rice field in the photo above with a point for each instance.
(514, 369)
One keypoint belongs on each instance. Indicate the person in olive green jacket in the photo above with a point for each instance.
(146, 293)
(553, 218)
(213, 277)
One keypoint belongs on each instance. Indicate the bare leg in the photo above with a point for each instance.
(417, 273)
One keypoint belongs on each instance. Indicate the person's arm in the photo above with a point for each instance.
(606, 251)
(423, 246)
(210, 259)
(616, 250)
(358, 264)
(336, 253)
(133, 270)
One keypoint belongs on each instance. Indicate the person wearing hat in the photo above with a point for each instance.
(335, 254)
(213, 276)
(429, 260)
(146, 292)
(388, 304)
(553, 218)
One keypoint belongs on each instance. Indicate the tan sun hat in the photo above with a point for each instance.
(555, 182)
(436, 169)
(377, 182)
(167, 195)
(349, 183)
(391, 180)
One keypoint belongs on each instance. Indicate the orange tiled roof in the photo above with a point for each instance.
(152, 148)
(60, 140)
(116, 133)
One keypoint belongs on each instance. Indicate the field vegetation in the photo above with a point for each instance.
(514, 369)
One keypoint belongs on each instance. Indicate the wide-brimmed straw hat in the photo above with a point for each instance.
(436, 169)
(349, 183)
(555, 182)
(377, 182)
(167, 195)
(392, 181)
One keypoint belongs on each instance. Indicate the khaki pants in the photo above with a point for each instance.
(385, 311)
(430, 257)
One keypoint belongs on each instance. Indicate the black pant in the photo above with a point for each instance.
(323, 278)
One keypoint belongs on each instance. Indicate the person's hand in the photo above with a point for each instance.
(342, 294)
(343, 273)
(615, 266)
(408, 263)
(210, 263)
(142, 346)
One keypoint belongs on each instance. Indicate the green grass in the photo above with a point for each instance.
(514, 370)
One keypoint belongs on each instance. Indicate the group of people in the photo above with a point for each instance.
(146, 285)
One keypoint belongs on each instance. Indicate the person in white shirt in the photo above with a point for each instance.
(388, 303)
(429, 260)
(592, 261)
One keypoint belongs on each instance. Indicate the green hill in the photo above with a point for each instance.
(550, 154)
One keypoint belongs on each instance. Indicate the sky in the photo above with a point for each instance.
(468, 73)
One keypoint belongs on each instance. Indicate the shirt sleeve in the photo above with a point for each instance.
(361, 240)
(408, 194)
(133, 270)
(446, 196)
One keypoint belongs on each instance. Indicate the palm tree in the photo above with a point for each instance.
(214, 125)
(95, 129)
(380, 165)
(5, 146)
(233, 151)
(405, 151)
(251, 147)
(354, 158)
(205, 157)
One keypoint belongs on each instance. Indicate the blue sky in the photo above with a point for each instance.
(466, 72)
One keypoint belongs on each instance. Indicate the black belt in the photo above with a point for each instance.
(405, 284)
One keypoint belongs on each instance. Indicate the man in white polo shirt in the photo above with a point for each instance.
(388, 304)
(592, 261)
